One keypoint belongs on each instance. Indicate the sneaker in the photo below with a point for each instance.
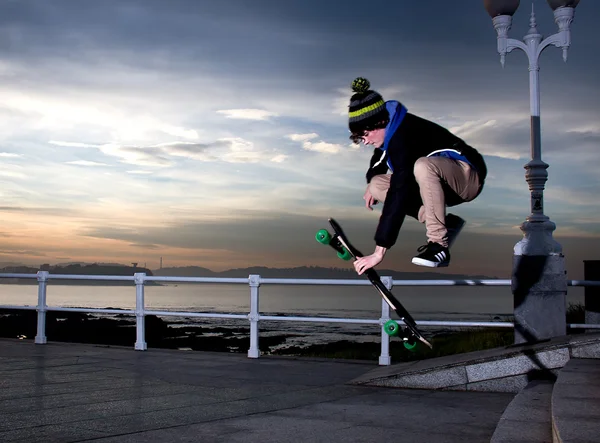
(432, 255)
(454, 225)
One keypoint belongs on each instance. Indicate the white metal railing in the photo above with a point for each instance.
(254, 316)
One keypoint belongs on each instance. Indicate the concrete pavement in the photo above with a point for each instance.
(62, 392)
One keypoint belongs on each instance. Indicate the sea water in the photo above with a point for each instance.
(463, 303)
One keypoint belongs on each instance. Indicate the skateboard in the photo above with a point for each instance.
(411, 334)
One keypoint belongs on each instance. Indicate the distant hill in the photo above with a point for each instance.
(81, 263)
(9, 263)
(185, 271)
(75, 269)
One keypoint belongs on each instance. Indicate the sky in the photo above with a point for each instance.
(215, 134)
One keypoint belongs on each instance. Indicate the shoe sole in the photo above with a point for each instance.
(429, 264)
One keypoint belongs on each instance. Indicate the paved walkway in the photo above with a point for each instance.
(70, 392)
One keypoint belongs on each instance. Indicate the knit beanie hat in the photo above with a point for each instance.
(367, 107)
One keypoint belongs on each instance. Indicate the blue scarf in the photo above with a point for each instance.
(397, 112)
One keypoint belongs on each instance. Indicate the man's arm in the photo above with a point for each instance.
(361, 264)
(390, 222)
(394, 209)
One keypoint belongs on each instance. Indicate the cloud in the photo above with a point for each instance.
(145, 156)
(238, 150)
(138, 155)
(247, 114)
(86, 163)
(25, 252)
(320, 146)
(10, 155)
(178, 131)
(229, 150)
(197, 151)
(139, 172)
(469, 128)
(144, 245)
(586, 198)
(323, 147)
(588, 138)
(302, 137)
(279, 158)
(39, 210)
(73, 144)
(11, 171)
(83, 111)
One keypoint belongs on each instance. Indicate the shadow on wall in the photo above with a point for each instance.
(528, 273)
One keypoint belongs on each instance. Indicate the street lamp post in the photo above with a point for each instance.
(539, 278)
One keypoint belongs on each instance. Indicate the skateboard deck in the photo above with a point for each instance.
(347, 251)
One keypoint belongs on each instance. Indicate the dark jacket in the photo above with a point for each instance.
(413, 138)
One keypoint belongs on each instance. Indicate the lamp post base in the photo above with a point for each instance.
(537, 239)
(539, 287)
(591, 271)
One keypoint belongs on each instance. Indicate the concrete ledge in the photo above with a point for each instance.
(576, 402)
(506, 369)
(527, 419)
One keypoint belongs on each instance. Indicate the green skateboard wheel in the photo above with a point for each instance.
(410, 345)
(323, 236)
(391, 328)
(345, 256)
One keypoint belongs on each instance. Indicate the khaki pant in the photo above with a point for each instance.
(442, 182)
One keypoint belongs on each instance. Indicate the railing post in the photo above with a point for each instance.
(140, 324)
(591, 271)
(385, 359)
(42, 308)
(254, 316)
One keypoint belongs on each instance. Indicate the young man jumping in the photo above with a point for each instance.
(429, 168)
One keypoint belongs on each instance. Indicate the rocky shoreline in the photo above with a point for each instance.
(119, 330)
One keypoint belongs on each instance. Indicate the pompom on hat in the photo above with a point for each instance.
(367, 107)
